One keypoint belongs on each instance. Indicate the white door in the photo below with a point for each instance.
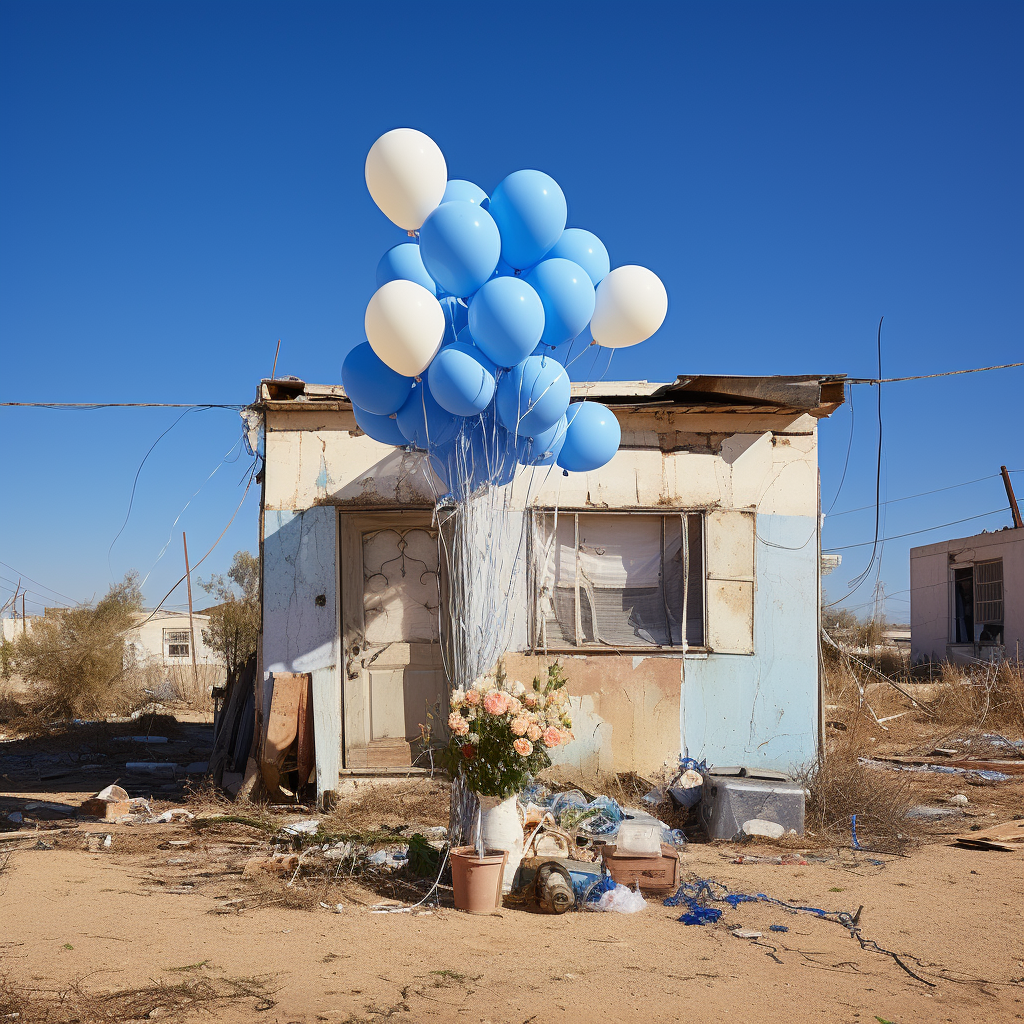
(391, 611)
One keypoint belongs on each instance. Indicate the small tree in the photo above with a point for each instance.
(77, 657)
(234, 627)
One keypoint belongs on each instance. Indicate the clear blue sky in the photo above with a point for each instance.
(182, 185)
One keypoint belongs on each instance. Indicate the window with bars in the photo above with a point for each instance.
(618, 579)
(176, 643)
(977, 603)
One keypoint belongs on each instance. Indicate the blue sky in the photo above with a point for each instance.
(182, 185)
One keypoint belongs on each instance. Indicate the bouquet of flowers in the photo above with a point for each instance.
(501, 731)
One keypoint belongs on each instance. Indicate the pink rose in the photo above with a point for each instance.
(530, 700)
(552, 736)
(515, 705)
(533, 732)
(472, 697)
(496, 703)
(458, 725)
(519, 726)
(567, 736)
(524, 748)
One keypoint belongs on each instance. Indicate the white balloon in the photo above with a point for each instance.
(404, 325)
(406, 175)
(631, 306)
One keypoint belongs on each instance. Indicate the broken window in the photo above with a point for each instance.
(977, 601)
(176, 643)
(617, 580)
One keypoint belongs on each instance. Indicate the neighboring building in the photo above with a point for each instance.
(724, 468)
(967, 598)
(162, 639)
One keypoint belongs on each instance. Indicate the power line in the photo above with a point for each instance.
(921, 494)
(927, 529)
(928, 376)
(38, 584)
(119, 405)
(857, 581)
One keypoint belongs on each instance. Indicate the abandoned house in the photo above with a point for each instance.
(967, 598)
(678, 585)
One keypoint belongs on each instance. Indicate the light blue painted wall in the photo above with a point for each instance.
(763, 708)
(299, 563)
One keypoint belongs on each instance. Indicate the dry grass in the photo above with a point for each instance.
(840, 787)
(192, 687)
(417, 803)
(173, 1001)
(989, 697)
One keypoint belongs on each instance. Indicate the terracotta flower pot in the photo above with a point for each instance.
(477, 880)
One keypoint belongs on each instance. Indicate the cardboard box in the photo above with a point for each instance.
(106, 809)
(653, 875)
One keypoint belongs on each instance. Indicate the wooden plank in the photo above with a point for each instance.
(1007, 767)
(1007, 836)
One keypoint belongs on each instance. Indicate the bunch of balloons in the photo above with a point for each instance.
(472, 313)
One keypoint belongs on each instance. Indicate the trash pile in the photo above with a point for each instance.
(595, 854)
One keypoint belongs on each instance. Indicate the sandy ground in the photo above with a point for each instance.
(953, 915)
(165, 911)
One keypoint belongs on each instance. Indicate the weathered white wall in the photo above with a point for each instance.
(666, 458)
(929, 590)
(760, 708)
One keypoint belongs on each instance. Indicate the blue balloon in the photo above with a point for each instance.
(529, 209)
(461, 378)
(380, 428)
(506, 318)
(460, 246)
(533, 395)
(461, 191)
(591, 437)
(586, 249)
(372, 384)
(404, 263)
(542, 449)
(423, 422)
(568, 296)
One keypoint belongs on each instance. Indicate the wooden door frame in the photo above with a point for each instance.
(352, 524)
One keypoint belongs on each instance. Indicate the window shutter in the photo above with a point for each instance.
(730, 581)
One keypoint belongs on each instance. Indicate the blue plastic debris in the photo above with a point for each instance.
(778, 928)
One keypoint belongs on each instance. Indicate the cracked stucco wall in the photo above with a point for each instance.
(763, 709)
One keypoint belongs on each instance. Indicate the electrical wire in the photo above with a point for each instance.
(858, 581)
(912, 533)
(921, 494)
(928, 376)
(846, 463)
(38, 584)
(90, 406)
(131, 497)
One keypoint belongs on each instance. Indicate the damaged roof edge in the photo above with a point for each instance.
(817, 395)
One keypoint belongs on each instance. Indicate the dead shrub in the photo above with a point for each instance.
(420, 802)
(840, 787)
(190, 997)
(76, 659)
(989, 696)
(192, 687)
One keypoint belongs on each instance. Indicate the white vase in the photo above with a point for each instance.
(501, 829)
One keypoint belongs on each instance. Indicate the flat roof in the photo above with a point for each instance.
(818, 395)
(1004, 535)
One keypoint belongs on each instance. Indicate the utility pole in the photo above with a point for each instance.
(24, 621)
(1018, 523)
(191, 631)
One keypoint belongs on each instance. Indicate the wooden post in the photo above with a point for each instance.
(191, 631)
(24, 621)
(1018, 523)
